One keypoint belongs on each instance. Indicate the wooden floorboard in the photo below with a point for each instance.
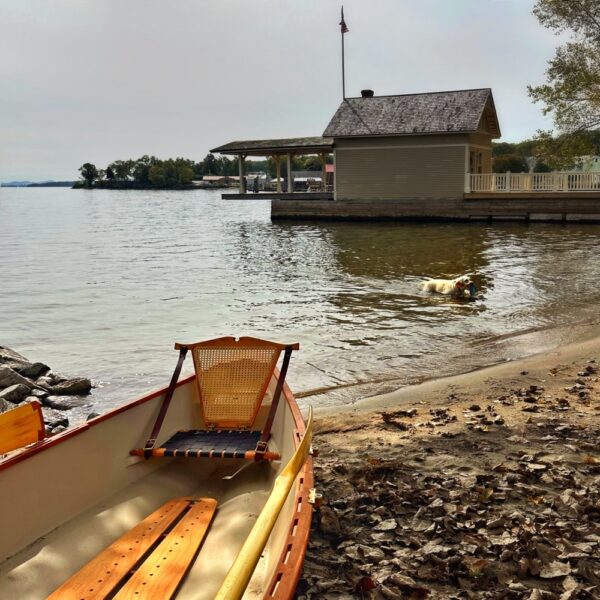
(103, 574)
(162, 572)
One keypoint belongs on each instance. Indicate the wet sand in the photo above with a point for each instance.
(482, 485)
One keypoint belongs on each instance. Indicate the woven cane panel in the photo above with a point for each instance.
(232, 382)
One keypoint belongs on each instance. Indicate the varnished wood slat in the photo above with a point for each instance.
(21, 426)
(99, 578)
(162, 572)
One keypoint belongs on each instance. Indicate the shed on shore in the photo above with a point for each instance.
(413, 145)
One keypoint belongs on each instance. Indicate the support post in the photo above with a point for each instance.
(241, 158)
(278, 171)
(467, 171)
(323, 171)
(290, 183)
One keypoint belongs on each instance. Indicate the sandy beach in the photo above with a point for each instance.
(482, 485)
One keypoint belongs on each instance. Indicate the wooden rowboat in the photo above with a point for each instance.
(98, 511)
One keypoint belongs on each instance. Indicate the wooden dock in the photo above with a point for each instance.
(497, 206)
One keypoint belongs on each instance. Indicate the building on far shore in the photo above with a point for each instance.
(414, 156)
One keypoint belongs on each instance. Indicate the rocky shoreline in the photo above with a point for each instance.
(23, 381)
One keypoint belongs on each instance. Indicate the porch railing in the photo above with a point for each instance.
(535, 182)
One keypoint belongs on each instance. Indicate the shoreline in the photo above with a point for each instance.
(483, 484)
(432, 385)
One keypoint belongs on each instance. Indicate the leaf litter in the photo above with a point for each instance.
(453, 502)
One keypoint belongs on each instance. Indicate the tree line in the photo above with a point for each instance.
(173, 173)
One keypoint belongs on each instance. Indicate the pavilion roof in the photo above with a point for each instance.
(305, 145)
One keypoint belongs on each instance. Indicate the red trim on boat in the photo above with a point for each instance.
(283, 583)
(69, 433)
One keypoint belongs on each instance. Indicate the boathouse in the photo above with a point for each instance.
(415, 156)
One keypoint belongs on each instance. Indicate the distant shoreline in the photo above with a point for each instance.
(130, 185)
(38, 184)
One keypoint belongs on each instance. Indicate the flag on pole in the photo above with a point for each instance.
(343, 25)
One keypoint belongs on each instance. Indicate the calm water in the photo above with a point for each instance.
(101, 283)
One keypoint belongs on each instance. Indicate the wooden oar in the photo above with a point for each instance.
(241, 571)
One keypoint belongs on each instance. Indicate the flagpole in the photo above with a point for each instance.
(343, 63)
(343, 29)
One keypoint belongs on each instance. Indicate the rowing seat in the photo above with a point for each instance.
(150, 560)
(233, 378)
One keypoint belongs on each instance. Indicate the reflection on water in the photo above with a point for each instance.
(101, 283)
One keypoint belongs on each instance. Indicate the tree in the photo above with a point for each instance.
(89, 173)
(122, 169)
(110, 174)
(572, 89)
(141, 168)
(509, 162)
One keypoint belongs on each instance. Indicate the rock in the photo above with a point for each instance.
(45, 381)
(11, 358)
(33, 371)
(38, 393)
(78, 385)
(92, 415)
(54, 418)
(61, 402)
(57, 430)
(4, 406)
(10, 377)
(15, 393)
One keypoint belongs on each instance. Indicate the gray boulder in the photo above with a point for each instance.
(78, 385)
(33, 371)
(61, 402)
(15, 393)
(4, 405)
(11, 358)
(38, 393)
(9, 377)
(54, 418)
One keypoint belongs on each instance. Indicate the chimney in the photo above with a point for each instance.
(367, 93)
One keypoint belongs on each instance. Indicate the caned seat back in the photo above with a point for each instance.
(233, 377)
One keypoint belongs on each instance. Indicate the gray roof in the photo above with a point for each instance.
(263, 147)
(438, 112)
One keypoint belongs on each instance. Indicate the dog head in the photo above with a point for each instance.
(463, 283)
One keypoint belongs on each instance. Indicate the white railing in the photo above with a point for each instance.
(535, 182)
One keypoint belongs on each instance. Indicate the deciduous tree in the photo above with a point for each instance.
(572, 89)
(89, 173)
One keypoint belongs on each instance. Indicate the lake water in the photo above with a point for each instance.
(102, 283)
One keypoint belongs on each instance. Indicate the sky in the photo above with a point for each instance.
(100, 80)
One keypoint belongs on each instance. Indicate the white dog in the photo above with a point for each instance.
(460, 287)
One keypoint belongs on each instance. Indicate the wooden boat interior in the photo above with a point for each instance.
(69, 497)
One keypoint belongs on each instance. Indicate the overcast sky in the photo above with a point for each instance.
(99, 80)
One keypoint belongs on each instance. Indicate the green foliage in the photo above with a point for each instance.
(89, 173)
(509, 162)
(572, 89)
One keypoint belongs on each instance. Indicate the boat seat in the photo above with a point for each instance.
(168, 539)
(232, 377)
(21, 426)
(213, 444)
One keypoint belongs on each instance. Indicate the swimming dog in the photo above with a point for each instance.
(460, 287)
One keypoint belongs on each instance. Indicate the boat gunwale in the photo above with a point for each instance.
(285, 579)
(78, 429)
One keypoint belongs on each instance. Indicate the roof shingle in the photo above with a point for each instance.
(411, 114)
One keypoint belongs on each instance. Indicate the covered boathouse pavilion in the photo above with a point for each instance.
(417, 156)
